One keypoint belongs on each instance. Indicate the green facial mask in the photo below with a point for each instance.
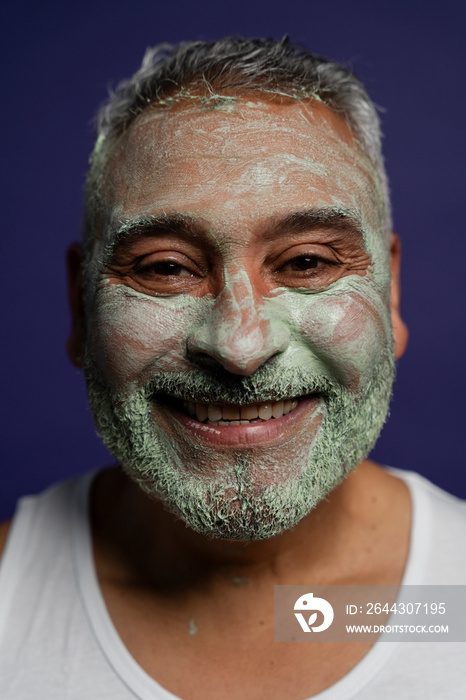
(245, 339)
(253, 492)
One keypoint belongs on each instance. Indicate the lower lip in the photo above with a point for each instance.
(235, 435)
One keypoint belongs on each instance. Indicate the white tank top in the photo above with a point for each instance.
(57, 641)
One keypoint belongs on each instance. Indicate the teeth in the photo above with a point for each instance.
(214, 413)
(265, 411)
(230, 413)
(249, 412)
(277, 409)
(239, 415)
(201, 411)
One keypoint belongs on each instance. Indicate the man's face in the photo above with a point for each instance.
(239, 353)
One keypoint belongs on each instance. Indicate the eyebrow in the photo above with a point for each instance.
(336, 218)
(129, 231)
(157, 225)
(190, 227)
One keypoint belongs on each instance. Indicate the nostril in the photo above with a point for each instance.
(232, 363)
(204, 361)
(212, 362)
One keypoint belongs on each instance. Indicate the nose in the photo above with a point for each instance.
(240, 333)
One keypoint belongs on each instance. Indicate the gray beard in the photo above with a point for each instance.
(229, 503)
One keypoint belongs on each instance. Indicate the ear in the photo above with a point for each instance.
(75, 344)
(400, 331)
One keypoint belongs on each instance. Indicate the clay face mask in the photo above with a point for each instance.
(192, 328)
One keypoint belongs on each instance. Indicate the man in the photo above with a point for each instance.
(236, 312)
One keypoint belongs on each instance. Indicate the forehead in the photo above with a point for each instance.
(241, 164)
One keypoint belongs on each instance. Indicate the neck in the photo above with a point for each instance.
(141, 543)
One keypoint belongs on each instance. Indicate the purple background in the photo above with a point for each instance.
(59, 57)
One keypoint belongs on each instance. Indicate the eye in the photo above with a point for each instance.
(164, 268)
(161, 272)
(303, 263)
(313, 266)
(157, 267)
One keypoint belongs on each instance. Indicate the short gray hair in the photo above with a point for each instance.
(218, 71)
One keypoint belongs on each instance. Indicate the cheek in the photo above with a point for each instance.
(348, 333)
(130, 335)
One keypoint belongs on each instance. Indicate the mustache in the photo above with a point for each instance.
(219, 386)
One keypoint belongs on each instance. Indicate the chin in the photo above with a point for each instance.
(236, 506)
(231, 516)
(242, 494)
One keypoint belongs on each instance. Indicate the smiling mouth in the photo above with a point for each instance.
(229, 425)
(231, 415)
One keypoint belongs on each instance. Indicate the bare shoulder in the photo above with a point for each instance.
(4, 530)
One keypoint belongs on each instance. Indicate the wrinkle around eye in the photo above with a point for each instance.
(158, 285)
(156, 273)
(316, 279)
(314, 268)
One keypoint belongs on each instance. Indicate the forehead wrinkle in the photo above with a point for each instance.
(244, 121)
(163, 147)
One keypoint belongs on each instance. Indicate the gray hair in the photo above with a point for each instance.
(216, 72)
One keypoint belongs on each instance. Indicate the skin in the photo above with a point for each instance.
(226, 173)
(283, 296)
